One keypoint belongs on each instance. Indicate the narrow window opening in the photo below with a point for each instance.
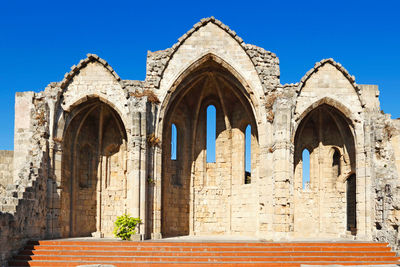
(306, 169)
(351, 204)
(247, 155)
(86, 166)
(211, 133)
(173, 142)
(336, 163)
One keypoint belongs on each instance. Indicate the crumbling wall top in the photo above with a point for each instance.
(158, 61)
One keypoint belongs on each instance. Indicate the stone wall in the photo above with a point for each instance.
(395, 142)
(23, 206)
(92, 147)
(6, 169)
(387, 182)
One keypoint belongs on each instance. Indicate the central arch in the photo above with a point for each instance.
(201, 197)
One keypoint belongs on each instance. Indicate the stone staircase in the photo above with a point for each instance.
(165, 253)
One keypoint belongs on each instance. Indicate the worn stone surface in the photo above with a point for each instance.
(6, 169)
(93, 146)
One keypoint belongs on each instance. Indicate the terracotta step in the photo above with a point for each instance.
(207, 253)
(119, 253)
(157, 258)
(208, 264)
(207, 248)
(212, 244)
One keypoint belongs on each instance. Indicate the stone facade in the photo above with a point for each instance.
(93, 147)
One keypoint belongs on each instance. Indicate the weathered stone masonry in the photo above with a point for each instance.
(93, 147)
(6, 169)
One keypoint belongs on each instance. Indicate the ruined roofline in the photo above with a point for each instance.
(171, 51)
(82, 64)
(167, 54)
(203, 22)
(339, 67)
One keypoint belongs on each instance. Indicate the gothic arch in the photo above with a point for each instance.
(229, 36)
(206, 82)
(89, 180)
(66, 116)
(98, 81)
(232, 76)
(323, 130)
(349, 116)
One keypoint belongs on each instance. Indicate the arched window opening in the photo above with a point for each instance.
(336, 163)
(174, 142)
(351, 204)
(247, 155)
(306, 169)
(211, 133)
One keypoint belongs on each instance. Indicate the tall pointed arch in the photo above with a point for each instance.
(207, 84)
(328, 135)
(92, 170)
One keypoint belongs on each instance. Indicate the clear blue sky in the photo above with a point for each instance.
(41, 40)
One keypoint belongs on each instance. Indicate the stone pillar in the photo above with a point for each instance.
(283, 172)
(51, 186)
(364, 158)
(24, 110)
(135, 159)
(136, 165)
(156, 234)
(142, 173)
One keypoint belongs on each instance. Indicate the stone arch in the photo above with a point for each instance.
(323, 130)
(351, 118)
(224, 34)
(194, 45)
(86, 208)
(206, 82)
(91, 78)
(339, 67)
(170, 93)
(66, 116)
(331, 102)
(329, 83)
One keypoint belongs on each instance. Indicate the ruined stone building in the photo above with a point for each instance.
(93, 146)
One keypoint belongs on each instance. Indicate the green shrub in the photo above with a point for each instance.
(125, 226)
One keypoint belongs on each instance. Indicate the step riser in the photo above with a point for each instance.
(211, 244)
(199, 258)
(178, 254)
(143, 264)
(58, 248)
(74, 253)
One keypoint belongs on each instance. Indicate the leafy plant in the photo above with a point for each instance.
(125, 226)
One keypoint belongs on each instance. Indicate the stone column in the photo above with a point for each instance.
(136, 165)
(142, 173)
(363, 181)
(282, 173)
(24, 108)
(135, 159)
